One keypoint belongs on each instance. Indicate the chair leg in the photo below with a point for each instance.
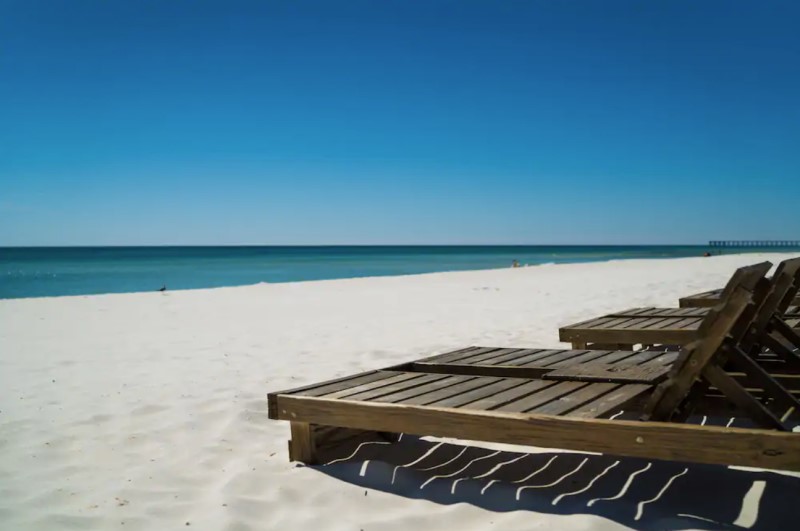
(303, 444)
(313, 444)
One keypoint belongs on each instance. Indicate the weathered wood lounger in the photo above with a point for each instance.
(624, 331)
(791, 312)
(709, 299)
(680, 326)
(559, 399)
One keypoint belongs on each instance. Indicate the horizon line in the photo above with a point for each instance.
(89, 246)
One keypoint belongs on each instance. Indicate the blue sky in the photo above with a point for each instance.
(297, 122)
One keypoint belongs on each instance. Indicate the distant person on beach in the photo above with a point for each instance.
(514, 263)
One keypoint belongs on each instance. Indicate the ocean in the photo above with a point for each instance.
(56, 271)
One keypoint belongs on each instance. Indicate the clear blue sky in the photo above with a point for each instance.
(296, 122)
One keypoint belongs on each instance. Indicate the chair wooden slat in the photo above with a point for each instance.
(576, 399)
(541, 397)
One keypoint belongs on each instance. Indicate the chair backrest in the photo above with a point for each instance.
(790, 278)
(728, 321)
(751, 278)
(779, 293)
(744, 277)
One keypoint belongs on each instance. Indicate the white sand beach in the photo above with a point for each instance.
(148, 411)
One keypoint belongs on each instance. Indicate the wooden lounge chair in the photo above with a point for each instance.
(709, 299)
(792, 312)
(501, 395)
(675, 326)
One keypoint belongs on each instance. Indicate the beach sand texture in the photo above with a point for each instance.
(148, 411)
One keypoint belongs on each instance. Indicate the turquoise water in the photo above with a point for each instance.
(52, 271)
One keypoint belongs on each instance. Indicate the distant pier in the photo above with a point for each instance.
(754, 243)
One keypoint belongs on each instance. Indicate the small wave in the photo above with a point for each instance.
(29, 274)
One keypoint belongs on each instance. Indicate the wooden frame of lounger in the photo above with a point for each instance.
(314, 411)
(625, 331)
(652, 440)
(709, 299)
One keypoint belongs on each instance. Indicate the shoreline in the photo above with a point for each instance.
(756, 257)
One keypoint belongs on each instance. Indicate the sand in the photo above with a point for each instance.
(148, 411)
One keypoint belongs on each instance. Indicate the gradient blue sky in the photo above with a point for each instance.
(298, 122)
